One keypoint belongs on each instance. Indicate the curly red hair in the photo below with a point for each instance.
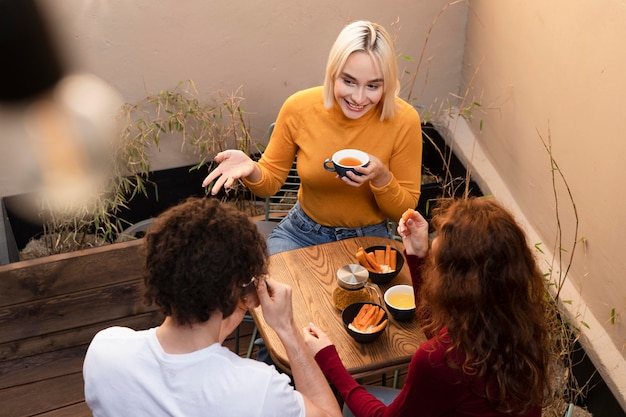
(482, 283)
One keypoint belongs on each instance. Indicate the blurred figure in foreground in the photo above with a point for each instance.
(59, 127)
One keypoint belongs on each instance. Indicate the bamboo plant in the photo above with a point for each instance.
(202, 127)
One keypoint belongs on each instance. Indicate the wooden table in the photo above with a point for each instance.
(311, 272)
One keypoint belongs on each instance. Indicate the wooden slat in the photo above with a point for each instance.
(70, 311)
(42, 396)
(56, 275)
(76, 336)
(41, 367)
(80, 409)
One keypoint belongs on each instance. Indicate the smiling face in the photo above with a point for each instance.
(359, 86)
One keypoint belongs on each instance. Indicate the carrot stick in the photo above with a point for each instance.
(370, 257)
(379, 316)
(362, 312)
(368, 260)
(407, 214)
(387, 251)
(379, 254)
(363, 259)
(393, 260)
(370, 317)
(379, 327)
(359, 320)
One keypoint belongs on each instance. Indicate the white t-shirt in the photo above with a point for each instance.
(127, 373)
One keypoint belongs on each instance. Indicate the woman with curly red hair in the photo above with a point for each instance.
(482, 301)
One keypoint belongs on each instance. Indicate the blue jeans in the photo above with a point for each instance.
(297, 230)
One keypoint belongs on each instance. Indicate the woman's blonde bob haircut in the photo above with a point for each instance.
(373, 39)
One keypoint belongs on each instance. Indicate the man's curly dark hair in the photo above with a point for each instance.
(199, 253)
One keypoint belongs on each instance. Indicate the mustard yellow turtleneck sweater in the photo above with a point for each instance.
(306, 128)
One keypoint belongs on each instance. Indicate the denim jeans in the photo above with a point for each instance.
(297, 230)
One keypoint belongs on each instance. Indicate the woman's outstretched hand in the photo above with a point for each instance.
(233, 164)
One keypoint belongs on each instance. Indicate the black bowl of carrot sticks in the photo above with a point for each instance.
(364, 321)
(382, 262)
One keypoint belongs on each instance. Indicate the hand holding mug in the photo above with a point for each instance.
(345, 160)
(373, 171)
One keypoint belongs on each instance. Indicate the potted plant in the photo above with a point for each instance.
(202, 128)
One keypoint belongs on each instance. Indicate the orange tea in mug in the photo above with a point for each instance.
(349, 161)
(346, 160)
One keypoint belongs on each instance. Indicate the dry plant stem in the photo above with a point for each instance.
(566, 334)
(448, 181)
(426, 40)
(463, 103)
(558, 247)
(465, 111)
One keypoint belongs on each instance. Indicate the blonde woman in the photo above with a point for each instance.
(356, 108)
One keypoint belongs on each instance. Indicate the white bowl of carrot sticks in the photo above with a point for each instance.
(383, 262)
(364, 321)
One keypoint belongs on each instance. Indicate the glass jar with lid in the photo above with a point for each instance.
(353, 286)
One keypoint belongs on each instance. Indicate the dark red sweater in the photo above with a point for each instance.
(431, 387)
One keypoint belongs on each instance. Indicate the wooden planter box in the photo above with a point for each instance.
(50, 309)
(172, 186)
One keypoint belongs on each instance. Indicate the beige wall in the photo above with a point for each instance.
(556, 70)
(268, 48)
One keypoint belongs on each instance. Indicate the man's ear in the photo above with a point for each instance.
(249, 301)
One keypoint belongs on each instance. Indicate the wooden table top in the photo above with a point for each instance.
(311, 272)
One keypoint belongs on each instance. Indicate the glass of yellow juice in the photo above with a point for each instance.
(400, 302)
